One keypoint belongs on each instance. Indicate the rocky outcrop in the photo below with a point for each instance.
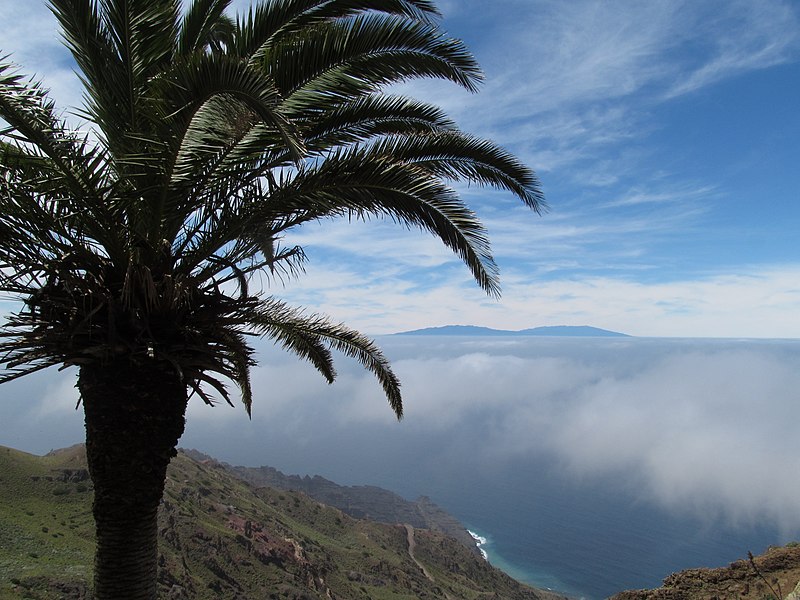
(222, 538)
(774, 574)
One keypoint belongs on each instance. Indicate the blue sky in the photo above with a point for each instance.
(666, 135)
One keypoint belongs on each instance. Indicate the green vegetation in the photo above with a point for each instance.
(46, 525)
(221, 538)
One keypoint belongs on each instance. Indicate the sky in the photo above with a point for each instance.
(666, 136)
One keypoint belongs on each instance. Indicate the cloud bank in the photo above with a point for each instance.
(704, 428)
(699, 428)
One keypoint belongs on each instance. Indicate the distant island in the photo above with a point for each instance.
(552, 331)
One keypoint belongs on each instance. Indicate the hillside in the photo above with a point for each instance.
(359, 501)
(223, 538)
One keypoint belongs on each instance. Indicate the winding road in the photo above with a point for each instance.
(412, 544)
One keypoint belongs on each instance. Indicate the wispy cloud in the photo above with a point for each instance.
(685, 425)
(637, 197)
(31, 38)
(572, 87)
(578, 90)
(754, 301)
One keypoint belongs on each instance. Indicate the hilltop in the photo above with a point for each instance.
(221, 537)
(550, 331)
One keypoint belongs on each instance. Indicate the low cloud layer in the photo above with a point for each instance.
(700, 428)
(703, 428)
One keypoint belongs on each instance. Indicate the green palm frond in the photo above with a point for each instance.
(205, 26)
(271, 20)
(337, 60)
(32, 120)
(143, 34)
(62, 177)
(455, 155)
(190, 85)
(419, 10)
(366, 117)
(310, 336)
(106, 89)
(357, 182)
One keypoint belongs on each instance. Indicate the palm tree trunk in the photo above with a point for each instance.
(134, 418)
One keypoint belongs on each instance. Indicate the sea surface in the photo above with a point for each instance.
(689, 445)
(588, 543)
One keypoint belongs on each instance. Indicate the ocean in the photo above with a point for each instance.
(588, 542)
(677, 435)
(590, 465)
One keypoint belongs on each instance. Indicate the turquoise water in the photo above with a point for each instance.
(529, 574)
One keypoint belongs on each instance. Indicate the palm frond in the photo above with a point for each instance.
(106, 85)
(360, 119)
(205, 26)
(455, 155)
(309, 336)
(191, 84)
(144, 36)
(50, 168)
(357, 182)
(337, 60)
(31, 115)
(270, 20)
(419, 10)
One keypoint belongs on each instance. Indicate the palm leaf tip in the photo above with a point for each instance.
(312, 337)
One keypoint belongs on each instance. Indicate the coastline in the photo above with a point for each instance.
(480, 542)
(538, 579)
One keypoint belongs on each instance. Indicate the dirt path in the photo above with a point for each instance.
(413, 544)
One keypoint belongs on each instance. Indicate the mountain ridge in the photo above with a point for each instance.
(358, 501)
(544, 331)
(221, 537)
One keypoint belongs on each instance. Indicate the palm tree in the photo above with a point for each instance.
(132, 246)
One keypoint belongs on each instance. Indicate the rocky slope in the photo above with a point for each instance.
(771, 576)
(361, 501)
(224, 538)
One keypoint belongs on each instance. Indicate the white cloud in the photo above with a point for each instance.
(31, 37)
(569, 85)
(752, 301)
(701, 430)
(696, 427)
(704, 428)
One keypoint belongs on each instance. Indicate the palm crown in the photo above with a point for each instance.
(212, 138)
